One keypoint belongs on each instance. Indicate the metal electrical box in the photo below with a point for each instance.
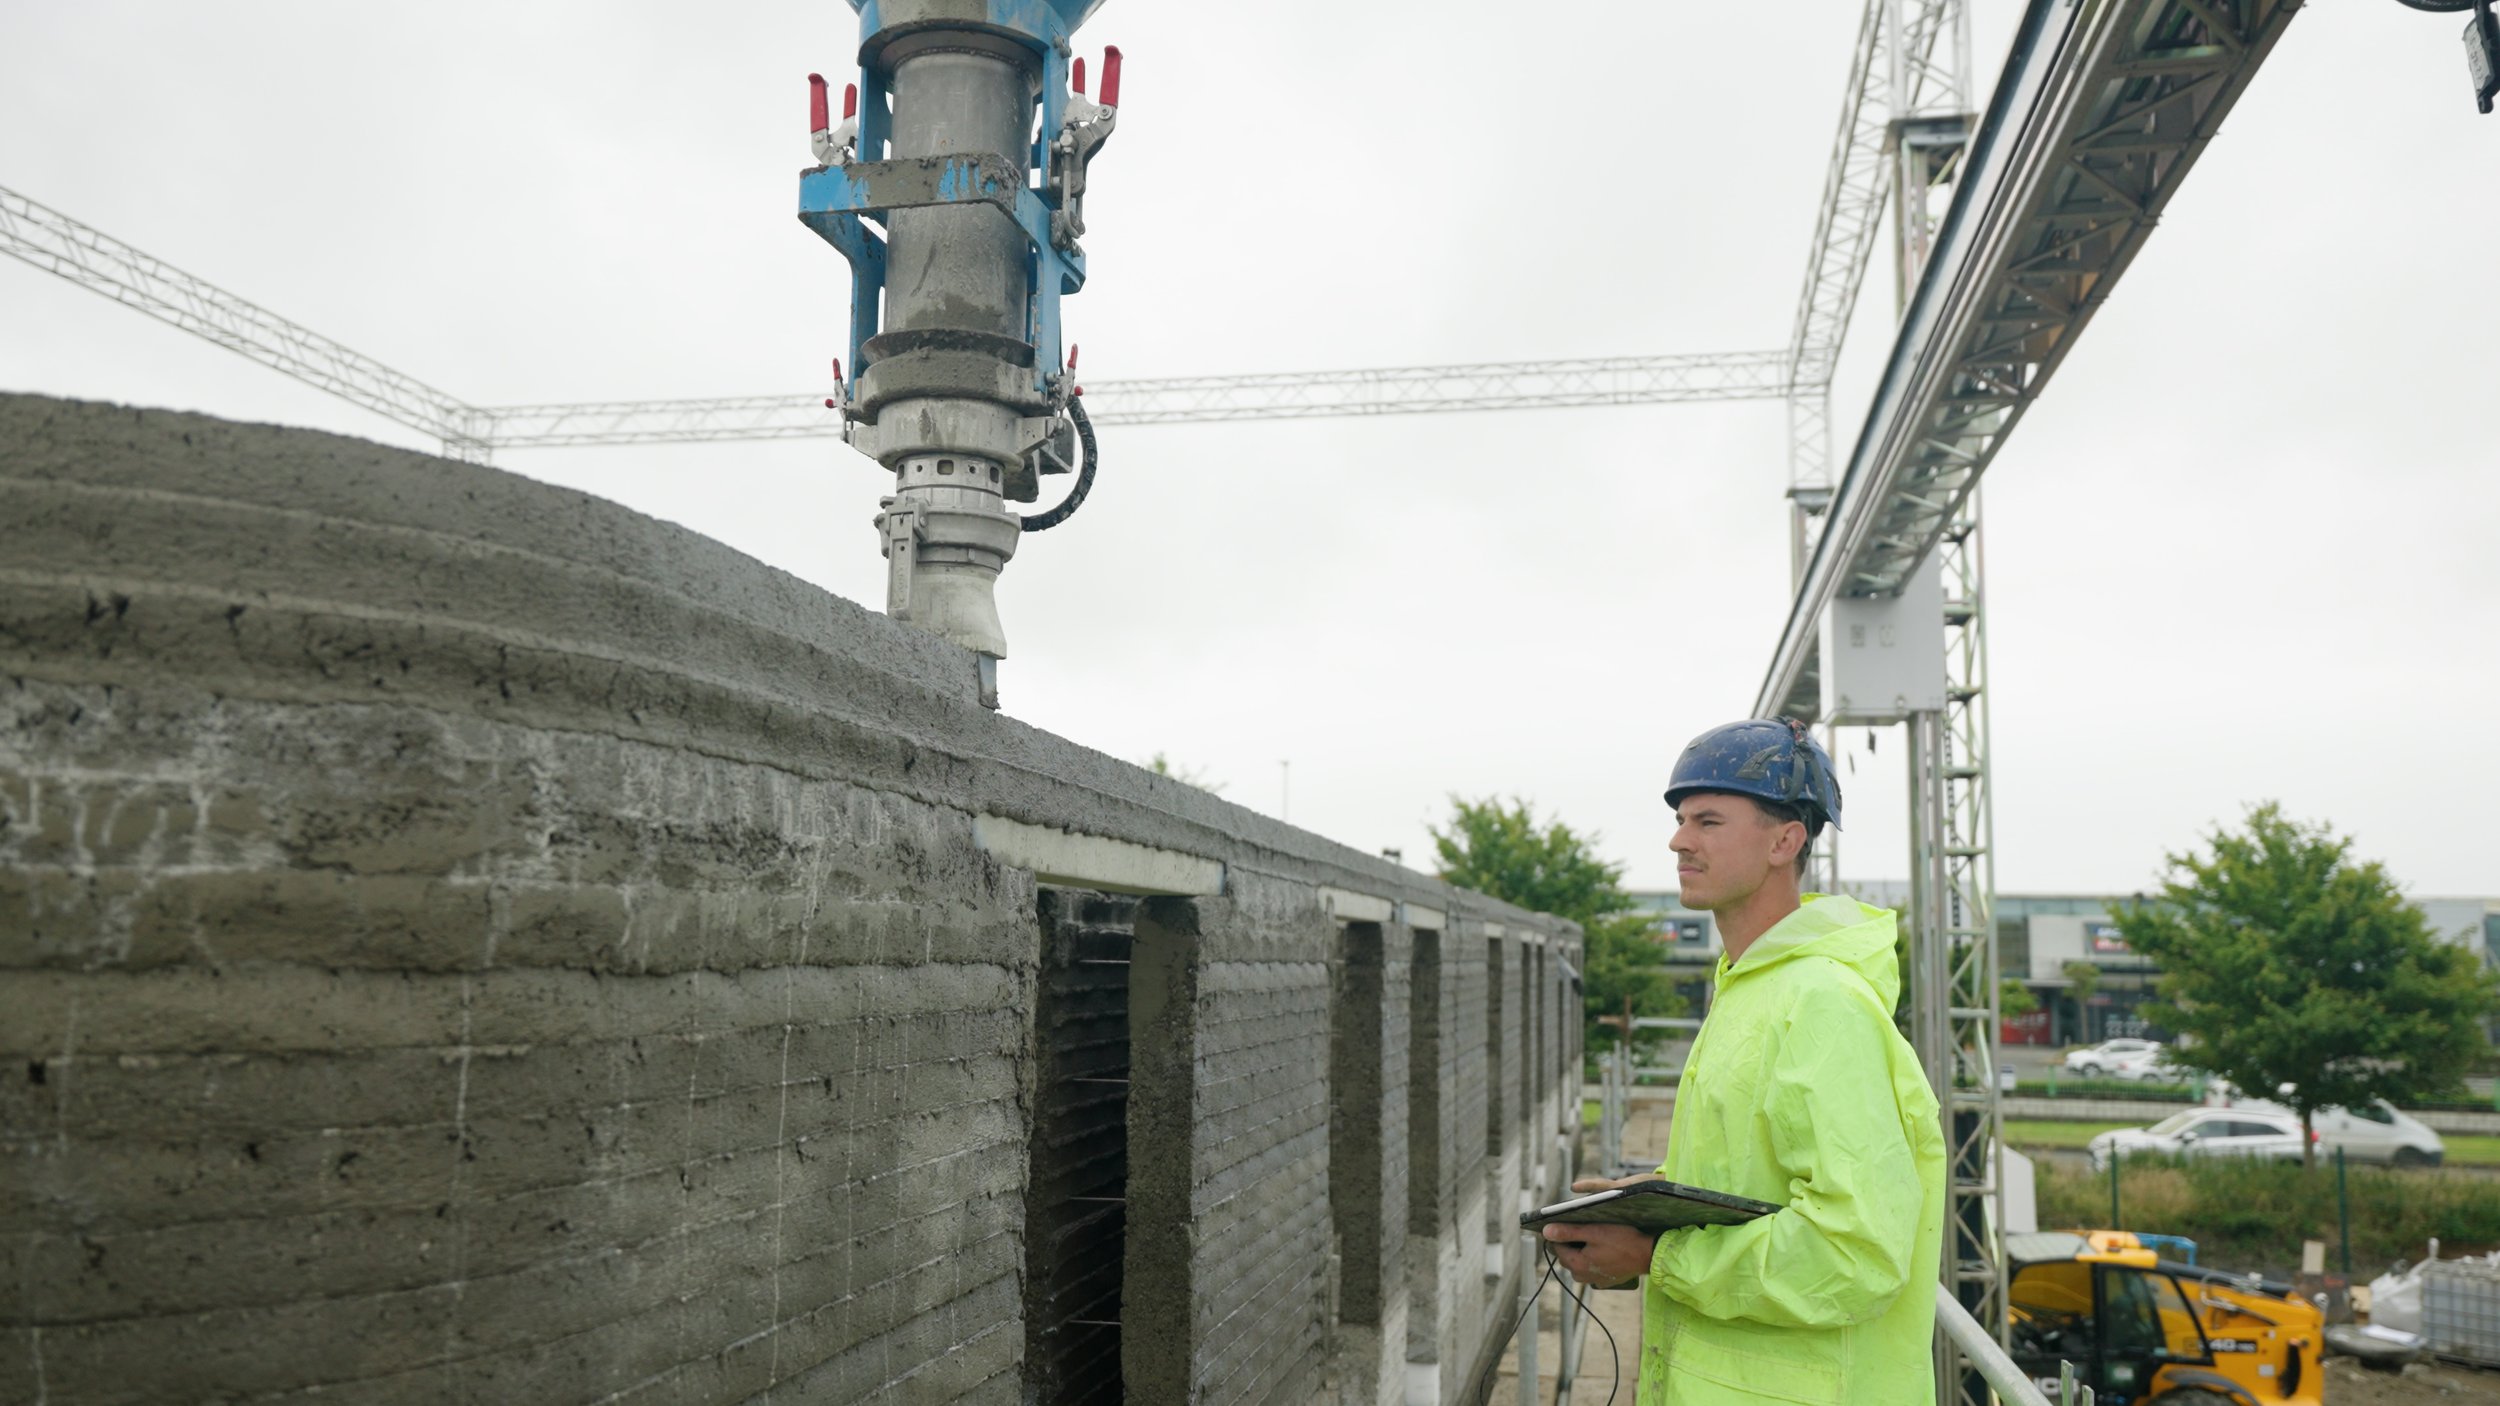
(1883, 656)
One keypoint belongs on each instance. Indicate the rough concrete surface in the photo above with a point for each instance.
(463, 940)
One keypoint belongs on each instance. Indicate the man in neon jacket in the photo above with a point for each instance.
(1799, 1092)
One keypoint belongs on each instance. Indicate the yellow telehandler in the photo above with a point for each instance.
(2147, 1331)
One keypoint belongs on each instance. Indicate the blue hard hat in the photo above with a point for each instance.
(1770, 759)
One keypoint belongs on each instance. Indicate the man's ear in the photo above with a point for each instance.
(1784, 849)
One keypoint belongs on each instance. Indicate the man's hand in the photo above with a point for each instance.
(1601, 1256)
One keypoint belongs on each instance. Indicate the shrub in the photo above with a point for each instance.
(2254, 1215)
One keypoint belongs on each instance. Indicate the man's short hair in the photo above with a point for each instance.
(1780, 813)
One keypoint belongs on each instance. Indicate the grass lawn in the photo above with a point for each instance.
(2464, 1149)
(2472, 1149)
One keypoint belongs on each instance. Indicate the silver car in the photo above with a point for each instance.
(2110, 1056)
(2376, 1131)
(2204, 1132)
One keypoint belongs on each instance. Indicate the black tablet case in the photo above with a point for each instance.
(1650, 1207)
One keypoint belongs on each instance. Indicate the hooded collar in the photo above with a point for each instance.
(1857, 935)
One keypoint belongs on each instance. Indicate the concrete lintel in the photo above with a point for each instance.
(1097, 861)
(1417, 915)
(1348, 906)
(1496, 930)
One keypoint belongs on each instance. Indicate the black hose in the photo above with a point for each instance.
(2437, 7)
(1043, 522)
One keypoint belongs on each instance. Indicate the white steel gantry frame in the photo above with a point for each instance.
(59, 244)
(94, 260)
(1912, 58)
(2102, 110)
(1904, 128)
(1910, 68)
(1288, 395)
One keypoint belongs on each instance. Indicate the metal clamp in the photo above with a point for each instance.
(1072, 149)
(899, 529)
(834, 146)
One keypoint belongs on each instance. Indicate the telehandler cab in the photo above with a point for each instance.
(2146, 1331)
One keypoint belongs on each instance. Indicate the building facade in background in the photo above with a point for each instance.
(2038, 937)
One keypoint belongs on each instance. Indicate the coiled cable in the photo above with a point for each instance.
(1043, 522)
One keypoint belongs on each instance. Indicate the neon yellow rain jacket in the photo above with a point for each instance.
(1800, 1092)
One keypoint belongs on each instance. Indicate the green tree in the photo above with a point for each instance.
(2082, 978)
(2014, 1000)
(1500, 850)
(2287, 963)
(1162, 765)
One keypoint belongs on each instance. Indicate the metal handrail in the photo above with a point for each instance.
(1979, 1348)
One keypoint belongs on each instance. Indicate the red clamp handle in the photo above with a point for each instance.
(1080, 75)
(850, 101)
(816, 119)
(1110, 76)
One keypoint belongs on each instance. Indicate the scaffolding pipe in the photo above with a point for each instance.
(1978, 1347)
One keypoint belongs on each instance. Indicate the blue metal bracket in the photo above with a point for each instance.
(833, 200)
(836, 201)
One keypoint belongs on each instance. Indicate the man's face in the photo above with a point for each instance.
(1725, 846)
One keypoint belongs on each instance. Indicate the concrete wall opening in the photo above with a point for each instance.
(1543, 1127)
(1500, 1104)
(1356, 1136)
(1076, 1203)
(1428, 1152)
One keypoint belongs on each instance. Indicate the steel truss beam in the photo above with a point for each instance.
(1285, 395)
(1910, 58)
(96, 261)
(58, 244)
(2101, 112)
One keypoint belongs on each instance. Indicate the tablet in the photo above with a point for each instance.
(1650, 1207)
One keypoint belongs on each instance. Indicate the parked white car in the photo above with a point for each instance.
(2205, 1132)
(2377, 1131)
(2109, 1056)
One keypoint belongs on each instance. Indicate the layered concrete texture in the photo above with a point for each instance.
(461, 940)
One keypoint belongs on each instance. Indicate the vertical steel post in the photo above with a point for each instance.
(2343, 1213)
(1953, 869)
(1525, 1358)
(1931, 1026)
(1931, 1030)
(1976, 1144)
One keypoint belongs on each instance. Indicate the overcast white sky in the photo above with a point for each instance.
(2243, 549)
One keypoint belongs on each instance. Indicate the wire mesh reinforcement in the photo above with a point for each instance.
(1077, 1204)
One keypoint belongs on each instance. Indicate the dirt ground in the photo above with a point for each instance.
(2349, 1384)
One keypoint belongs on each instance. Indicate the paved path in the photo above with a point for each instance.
(1644, 1137)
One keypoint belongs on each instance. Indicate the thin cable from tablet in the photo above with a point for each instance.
(1553, 1272)
(1484, 1384)
(1613, 1354)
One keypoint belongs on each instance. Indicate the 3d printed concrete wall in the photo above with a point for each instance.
(462, 940)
